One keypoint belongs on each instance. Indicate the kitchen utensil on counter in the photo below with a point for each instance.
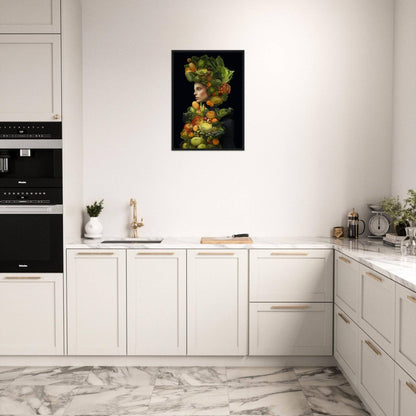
(338, 232)
(378, 224)
(353, 224)
(227, 240)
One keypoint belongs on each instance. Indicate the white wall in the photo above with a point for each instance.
(404, 144)
(318, 119)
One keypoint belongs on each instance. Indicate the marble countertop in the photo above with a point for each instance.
(372, 253)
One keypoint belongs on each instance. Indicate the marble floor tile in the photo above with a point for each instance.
(260, 375)
(320, 376)
(189, 400)
(110, 400)
(277, 399)
(39, 376)
(334, 400)
(123, 376)
(9, 374)
(191, 376)
(35, 400)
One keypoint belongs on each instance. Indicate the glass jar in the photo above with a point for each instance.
(408, 245)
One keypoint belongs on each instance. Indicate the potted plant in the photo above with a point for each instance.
(402, 215)
(94, 228)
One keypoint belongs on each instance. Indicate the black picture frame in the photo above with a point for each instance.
(183, 96)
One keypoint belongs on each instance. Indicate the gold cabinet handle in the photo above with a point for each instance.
(373, 347)
(23, 277)
(98, 253)
(56, 116)
(216, 254)
(411, 387)
(289, 307)
(344, 260)
(373, 276)
(288, 253)
(411, 299)
(160, 253)
(347, 321)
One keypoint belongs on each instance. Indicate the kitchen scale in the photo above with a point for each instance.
(378, 224)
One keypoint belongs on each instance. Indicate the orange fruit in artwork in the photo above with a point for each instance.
(215, 142)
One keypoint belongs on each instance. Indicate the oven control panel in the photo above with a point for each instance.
(32, 196)
(30, 130)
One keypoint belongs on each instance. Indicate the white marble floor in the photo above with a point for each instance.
(176, 391)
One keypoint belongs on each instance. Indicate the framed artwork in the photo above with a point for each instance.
(207, 100)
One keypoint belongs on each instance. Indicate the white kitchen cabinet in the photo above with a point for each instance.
(30, 16)
(156, 302)
(405, 346)
(405, 401)
(376, 383)
(290, 329)
(377, 308)
(96, 290)
(31, 314)
(217, 302)
(30, 78)
(291, 275)
(346, 344)
(347, 284)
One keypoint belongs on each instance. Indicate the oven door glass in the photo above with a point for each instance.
(31, 243)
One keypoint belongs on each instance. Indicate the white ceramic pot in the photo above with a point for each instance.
(93, 228)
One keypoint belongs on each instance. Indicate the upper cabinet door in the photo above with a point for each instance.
(156, 302)
(217, 302)
(30, 78)
(30, 16)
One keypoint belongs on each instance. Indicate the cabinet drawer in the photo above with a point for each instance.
(376, 377)
(290, 329)
(291, 275)
(347, 284)
(346, 344)
(405, 402)
(377, 308)
(405, 346)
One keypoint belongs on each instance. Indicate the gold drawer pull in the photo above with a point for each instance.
(373, 347)
(344, 260)
(216, 254)
(373, 276)
(23, 277)
(98, 253)
(161, 253)
(344, 318)
(411, 299)
(290, 307)
(288, 253)
(411, 387)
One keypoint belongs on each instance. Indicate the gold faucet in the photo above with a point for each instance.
(135, 225)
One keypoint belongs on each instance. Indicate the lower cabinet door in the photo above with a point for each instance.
(217, 302)
(156, 302)
(96, 301)
(346, 344)
(376, 382)
(290, 329)
(405, 403)
(405, 345)
(31, 314)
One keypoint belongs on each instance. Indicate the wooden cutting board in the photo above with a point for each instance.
(223, 240)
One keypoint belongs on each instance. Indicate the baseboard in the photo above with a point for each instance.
(289, 361)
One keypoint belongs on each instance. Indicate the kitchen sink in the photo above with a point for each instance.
(143, 240)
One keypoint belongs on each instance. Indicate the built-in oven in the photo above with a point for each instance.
(31, 238)
(31, 221)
